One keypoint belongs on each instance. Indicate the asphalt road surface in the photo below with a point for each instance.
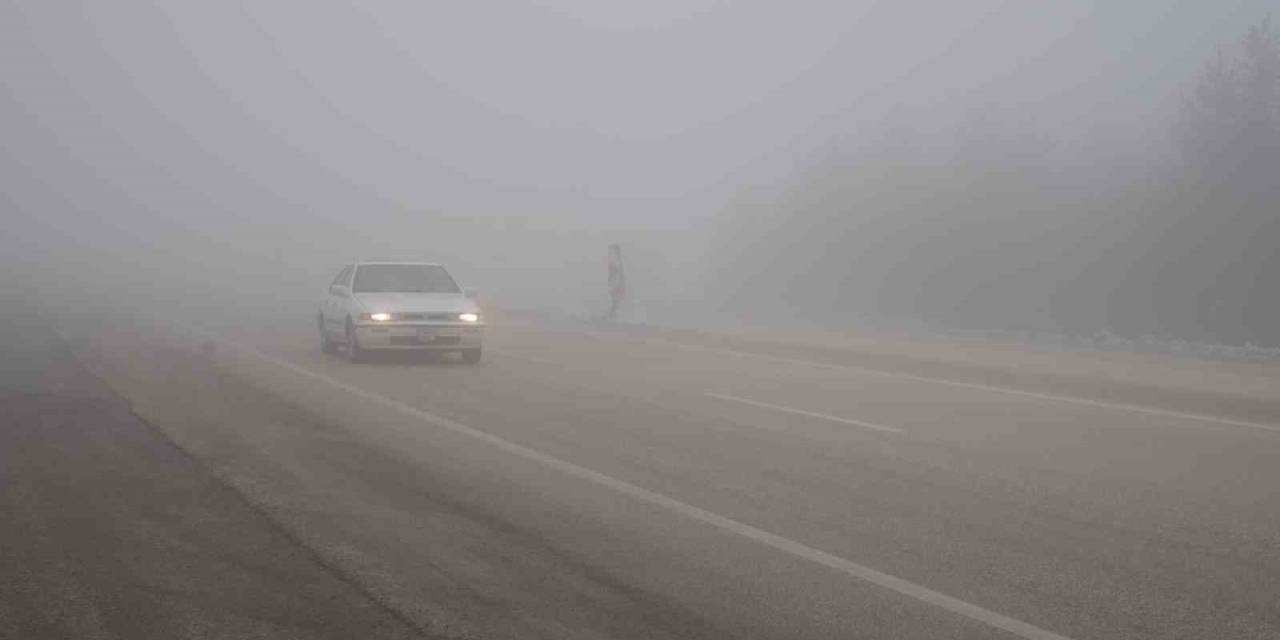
(594, 483)
(109, 531)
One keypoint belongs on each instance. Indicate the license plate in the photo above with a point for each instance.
(427, 334)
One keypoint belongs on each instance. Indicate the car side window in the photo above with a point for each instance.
(344, 277)
(351, 272)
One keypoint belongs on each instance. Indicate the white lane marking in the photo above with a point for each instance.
(1168, 413)
(722, 396)
(797, 549)
(802, 412)
(507, 354)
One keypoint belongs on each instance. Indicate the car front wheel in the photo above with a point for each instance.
(326, 343)
(354, 352)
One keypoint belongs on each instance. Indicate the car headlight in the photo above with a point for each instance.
(376, 317)
(469, 317)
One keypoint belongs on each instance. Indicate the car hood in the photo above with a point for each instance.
(416, 302)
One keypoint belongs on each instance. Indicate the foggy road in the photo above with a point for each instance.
(872, 319)
(583, 482)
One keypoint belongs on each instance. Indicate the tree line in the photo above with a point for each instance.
(998, 229)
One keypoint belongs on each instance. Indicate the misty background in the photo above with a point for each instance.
(1077, 167)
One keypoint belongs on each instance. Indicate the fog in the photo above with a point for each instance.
(989, 164)
(800, 320)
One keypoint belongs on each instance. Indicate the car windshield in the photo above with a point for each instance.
(403, 278)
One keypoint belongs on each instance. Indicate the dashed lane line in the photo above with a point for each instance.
(802, 412)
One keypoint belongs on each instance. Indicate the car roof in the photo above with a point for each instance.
(363, 263)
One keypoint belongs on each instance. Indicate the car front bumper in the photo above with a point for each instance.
(438, 337)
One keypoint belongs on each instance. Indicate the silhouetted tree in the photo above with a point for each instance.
(1221, 284)
(1231, 118)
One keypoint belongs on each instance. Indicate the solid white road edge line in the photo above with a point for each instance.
(1168, 413)
(802, 412)
(887, 581)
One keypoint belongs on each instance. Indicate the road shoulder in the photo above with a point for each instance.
(111, 531)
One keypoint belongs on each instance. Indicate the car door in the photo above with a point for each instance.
(345, 299)
(334, 308)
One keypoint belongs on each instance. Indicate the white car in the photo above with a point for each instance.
(401, 306)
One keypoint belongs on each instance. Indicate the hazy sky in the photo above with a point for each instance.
(241, 120)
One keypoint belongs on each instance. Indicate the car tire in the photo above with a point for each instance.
(354, 352)
(471, 356)
(327, 345)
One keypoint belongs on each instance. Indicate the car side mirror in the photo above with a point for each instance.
(470, 293)
(338, 290)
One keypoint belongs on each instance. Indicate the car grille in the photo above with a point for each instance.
(413, 340)
(426, 316)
